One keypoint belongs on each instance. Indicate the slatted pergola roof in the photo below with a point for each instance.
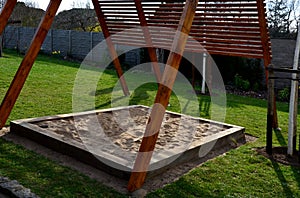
(226, 27)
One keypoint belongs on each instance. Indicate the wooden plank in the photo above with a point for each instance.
(162, 98)
(239, 54)
(270, 114)
(226, 23)
(220, 14)
(229, 41)
(265, 40)
(225, 19)
(5, 13)
(228, 37)
(147, 35)
(26, 65)
(111, 47)
(233, 51)
(229, 4)
(210, 9)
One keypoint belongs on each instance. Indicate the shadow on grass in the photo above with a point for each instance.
(282, 179)
(100, 92)
(280, 137)
(280, 175)
(204, 106)
(296, 172)
(108, 103)
(238, 101)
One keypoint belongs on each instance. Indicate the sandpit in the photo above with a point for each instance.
(114, 145)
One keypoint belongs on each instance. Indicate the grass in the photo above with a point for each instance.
(239, 173)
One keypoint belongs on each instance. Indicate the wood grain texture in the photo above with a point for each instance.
(111, 48)
(6, 13)
(147, 37)
(26, 64)
(232, 21)
(162, 97)
(267, 53)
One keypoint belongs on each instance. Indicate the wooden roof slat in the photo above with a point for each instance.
(224, 14)
(132, 38)
(123, 26)
(225, 24)
(210, 9)
(208, 18)
(230, 50)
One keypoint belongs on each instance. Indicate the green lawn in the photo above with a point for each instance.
(239, 173)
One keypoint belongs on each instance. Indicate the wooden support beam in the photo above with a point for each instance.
(26, 65)
(5, 13)
(193, 70)
(270, 114)
(148, 40)
(265, 40)
(110, 45)
(144, 156)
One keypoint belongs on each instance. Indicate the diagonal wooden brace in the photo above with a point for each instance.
(265, 39)
(5, 13)
(26, 65)
(110, 46)
(144, 156)
(147, 35)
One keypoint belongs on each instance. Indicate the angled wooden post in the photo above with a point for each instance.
(148, 40)
(265, 39)
(144, 155)
(110, 45)
(193, 70)
(26, 65)
(5, 13)
(270, 114)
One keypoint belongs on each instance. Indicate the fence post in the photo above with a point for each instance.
(1, 44)
(91, 42)
(18, 39)
(52, 44)
(70, 43)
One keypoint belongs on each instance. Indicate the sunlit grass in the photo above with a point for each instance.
(239, 173)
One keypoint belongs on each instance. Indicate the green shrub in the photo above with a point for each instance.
(284, 94)
(240, 83)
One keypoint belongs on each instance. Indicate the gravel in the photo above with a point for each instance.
(12, 188)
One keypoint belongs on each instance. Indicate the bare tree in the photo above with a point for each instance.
(283, 16)
(2, 2)
(278, 16)
(77, 19)
(26, 13)
(295, 15)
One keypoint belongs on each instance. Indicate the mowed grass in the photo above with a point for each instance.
(239, 173)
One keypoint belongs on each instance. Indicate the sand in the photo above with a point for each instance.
(128, 133)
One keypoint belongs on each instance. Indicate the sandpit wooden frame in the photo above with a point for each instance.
(226, 27)
(229, 137)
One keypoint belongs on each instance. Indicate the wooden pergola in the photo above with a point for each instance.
(225, 27)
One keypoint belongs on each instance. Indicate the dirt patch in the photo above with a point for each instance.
(279, 154)
(250, 138)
